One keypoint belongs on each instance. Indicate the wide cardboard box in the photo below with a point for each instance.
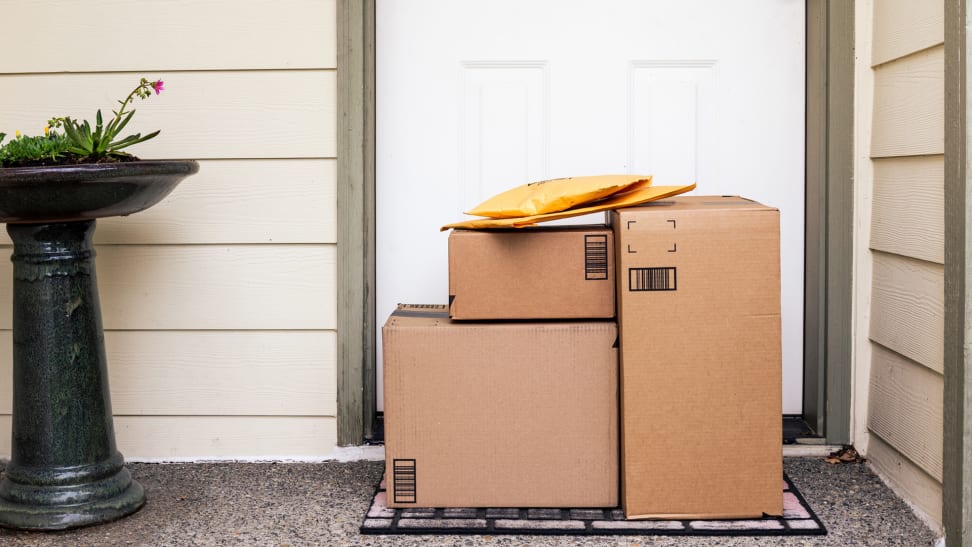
(520, 414)
(532, 273)
(699, 315)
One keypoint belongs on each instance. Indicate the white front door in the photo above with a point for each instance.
(475, 97)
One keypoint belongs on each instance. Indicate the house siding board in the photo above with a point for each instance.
(906, 408)
(909, 112)
(203, 115)
(908, 214)
(179, 35)
(205, 373)
(235, 201)
(902, 27)
(922, 491)
(221, 438)
(906, 281)
(908, 307)
(220, 302)
(225, 287)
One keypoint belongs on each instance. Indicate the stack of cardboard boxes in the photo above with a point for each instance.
(636, 363)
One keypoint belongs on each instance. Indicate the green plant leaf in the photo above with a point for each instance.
(133, 139)
(73, 134)
(121, 124)
(127, 141)
(85, 140)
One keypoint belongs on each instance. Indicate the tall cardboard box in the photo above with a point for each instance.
(699, 315)
(532, 273)
(499, 414)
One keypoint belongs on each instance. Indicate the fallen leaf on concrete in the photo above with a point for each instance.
(845, 455)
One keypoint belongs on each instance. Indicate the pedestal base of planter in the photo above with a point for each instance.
(65, 470)
(56, 507)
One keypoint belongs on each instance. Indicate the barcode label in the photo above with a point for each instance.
(651, 279)
(595, 257)
(403, 476)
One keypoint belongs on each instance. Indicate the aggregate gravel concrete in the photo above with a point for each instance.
(323, 504)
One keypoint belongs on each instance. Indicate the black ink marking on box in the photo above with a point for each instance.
(403, 475)
(595, 257)
(652, 279)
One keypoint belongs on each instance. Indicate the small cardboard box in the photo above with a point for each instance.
(499, 414)
(532, 273)
(699, 316)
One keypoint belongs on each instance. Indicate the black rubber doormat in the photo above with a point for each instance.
(798, 520)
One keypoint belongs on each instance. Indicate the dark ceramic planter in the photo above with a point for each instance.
(65, 470)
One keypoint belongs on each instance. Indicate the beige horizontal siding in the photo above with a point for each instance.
(220, 301)
(906, 283)
(907, 479)
(274, 373)
(119, 35)
(202, 115)
(235, 201)
(908, 214)
(156, 438)
(234, 287)
(909, 111)
(902, 27)
(908, 307)
(905, 408)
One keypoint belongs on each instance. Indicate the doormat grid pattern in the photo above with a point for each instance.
(798, 520)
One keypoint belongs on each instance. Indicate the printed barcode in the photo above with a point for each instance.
(651, 279)
(595, 257)
(403, 476)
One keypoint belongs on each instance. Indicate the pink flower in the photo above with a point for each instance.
(157, 86)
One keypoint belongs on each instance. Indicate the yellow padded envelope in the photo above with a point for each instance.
(627, 199)
(550, 196)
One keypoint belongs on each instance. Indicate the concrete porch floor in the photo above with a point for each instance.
(324, 503)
